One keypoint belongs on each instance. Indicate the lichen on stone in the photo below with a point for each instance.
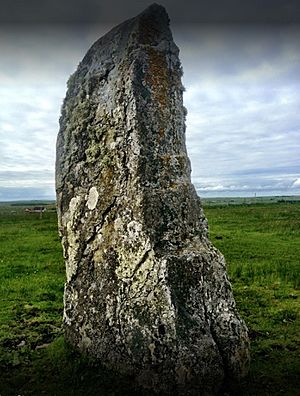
(146, 291)
(92, 198)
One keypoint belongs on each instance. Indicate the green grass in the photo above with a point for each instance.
(261, 244)
(31, 276)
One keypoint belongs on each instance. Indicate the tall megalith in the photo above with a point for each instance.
(146, 291)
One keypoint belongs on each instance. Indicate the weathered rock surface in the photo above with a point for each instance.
(146, 291)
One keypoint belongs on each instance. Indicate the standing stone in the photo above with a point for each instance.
(146, 291)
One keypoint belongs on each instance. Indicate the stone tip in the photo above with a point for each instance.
(154, 7)
(155, 11)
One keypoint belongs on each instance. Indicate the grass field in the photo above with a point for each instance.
(261, 243)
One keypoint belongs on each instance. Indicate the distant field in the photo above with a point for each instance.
(261, 243)
(224, 201)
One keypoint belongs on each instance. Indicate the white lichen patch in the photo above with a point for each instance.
(92, 198)
(73, 205)
(69, 215)
(134, 230)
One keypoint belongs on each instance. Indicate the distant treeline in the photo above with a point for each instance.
(289, 200)
(31, 204)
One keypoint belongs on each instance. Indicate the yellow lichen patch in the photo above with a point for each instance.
(98, 256)
(173, 185)
(107, 177)
(152, 349)
(92, 153)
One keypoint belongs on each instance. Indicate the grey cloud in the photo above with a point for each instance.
(79, 11)
(228, 51)
(43, 55)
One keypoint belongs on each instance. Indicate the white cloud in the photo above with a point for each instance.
(242, 95)
(29, 126)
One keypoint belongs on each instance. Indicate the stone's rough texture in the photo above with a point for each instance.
(146, 291)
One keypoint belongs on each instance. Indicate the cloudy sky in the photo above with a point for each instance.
(242, 95)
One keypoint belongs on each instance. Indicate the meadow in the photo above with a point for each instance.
(261, 244)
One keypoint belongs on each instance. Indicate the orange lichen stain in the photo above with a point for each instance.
(157, 77)
(161, 133)
(165, 159)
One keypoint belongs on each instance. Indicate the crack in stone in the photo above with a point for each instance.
(101, 221)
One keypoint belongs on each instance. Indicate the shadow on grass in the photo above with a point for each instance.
(59, 370)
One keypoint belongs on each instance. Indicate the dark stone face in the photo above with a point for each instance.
(146, 291)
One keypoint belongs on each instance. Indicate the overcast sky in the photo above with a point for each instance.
(242, 95)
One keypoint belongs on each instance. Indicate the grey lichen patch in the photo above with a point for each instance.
(92, 198)
(72, 262)
(71, 244)
(146, 293)
(70, 303)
